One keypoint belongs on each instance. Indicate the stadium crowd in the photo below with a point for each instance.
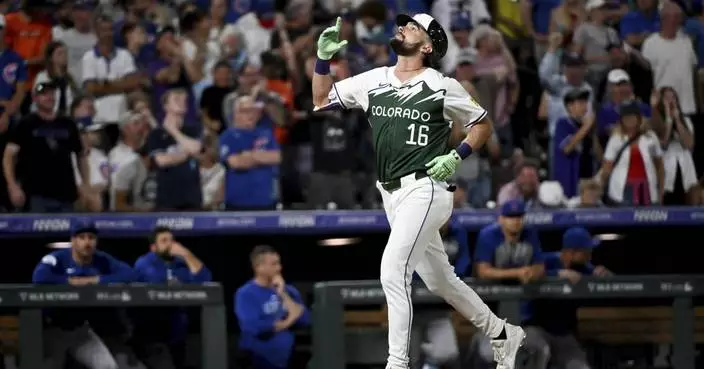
(140, 105)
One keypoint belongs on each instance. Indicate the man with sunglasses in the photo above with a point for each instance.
(408, 107)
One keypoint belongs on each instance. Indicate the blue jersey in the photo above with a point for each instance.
(257, 309)
(57, 267)
(462, 259)
(151, 268)
(493, 248)
(253, 187)
(558, 317)
(13, 70)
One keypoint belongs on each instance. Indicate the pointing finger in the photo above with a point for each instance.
(342, 44)
(338, 24)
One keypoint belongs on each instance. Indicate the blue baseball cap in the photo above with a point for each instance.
(513, 208)
(85, 226)
(461, 22)
(578, 238)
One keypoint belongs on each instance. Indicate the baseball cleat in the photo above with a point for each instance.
(505, 350)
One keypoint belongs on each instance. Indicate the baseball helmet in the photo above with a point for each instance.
(438, 37)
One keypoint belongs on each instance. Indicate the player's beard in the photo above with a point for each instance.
(404, 49)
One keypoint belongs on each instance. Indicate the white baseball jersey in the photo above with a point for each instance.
(409, 119)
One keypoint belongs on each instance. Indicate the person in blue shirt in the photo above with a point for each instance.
(573, 143)
(161, 334)
(555, 321)
(620, 90)
(639, 23)
(80, 265)
(267, 309)
(252, 156)
(509, 252)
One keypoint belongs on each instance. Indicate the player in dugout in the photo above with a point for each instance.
(509, 252)
(160, 335)
(266, 309)
(81, 265)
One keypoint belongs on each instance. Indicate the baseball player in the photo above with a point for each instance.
(408, 107)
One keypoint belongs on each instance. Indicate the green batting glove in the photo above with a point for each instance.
(329, 41)
(443, 167)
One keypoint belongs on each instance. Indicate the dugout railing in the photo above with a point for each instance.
(31, 299)
(330, 349)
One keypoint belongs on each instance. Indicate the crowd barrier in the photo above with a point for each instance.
(211, 223)
(331, 298)
(31, 299)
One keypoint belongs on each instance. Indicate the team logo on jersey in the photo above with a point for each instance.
(9, 73)
(106, 169)
(407, 102)
(260, 143)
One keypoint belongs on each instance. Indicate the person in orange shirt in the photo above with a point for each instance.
(27, 32)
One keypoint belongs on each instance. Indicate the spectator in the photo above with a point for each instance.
(632, 171)
(234, 49)
(128, 172)
(672, 57)
(376, 48)
(536, 15)
(676, 133)
(257, 27)
(694, 27)
(81, 265)
(508, 251)
(620, 90)
(251, 155)
(199, 55)
(590, 194)
(218, 23)
(13, 85)
(80, 38)
(496, 81)
(524, 187)
(92, 198)
(573, 153)
(631, 61)
(37, 159)
(137, 12)
(565, 19)
(556, 84)
(640, 23)
(160, 335)
(135, 40)
(211, 102)
(174, 149)
(27, 32)
(591, 39)
(56, 72)
(474, 174)
(251, 82)
(266, 309)
(212, 174)
(138, 102)
(109, 73)
(554, 323)
(169, 70)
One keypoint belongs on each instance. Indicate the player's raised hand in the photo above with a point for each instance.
(443, 167)
(329, 41)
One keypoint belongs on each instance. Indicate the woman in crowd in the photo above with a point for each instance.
(632, 171)
(56, 72)
(676, 133)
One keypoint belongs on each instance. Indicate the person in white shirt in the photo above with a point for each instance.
(676, 133)
(200, 53)
(672, 57)
(129, 174)
(212, 174)
(82, 111)
(57, 73)
(78, 39)
(632, 171)
(108, 74)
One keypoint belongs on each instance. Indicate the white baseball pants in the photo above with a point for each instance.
(416, 211)
(82, 343)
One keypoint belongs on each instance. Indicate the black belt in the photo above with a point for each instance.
(395, 184)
